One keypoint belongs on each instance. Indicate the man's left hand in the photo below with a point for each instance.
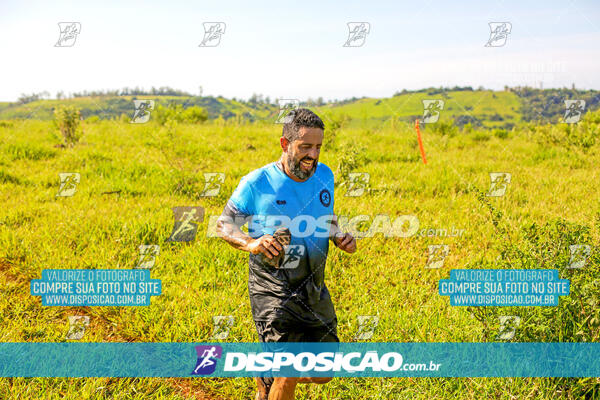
(345, 242)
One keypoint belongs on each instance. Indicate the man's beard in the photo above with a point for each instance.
(296, 168)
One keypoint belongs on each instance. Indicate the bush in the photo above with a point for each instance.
(580, 136)
(351, 158)
(194, 115)
(176, 112)
(481, 136)
(540, 246)
(577, 316)
(444, 128)
(496, 117)
(68, 120)
(508, 126)
(501, 133)
(463, 120)
(333, 124)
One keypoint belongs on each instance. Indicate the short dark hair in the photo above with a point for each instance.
(301, 117)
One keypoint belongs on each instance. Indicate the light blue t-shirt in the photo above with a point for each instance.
(269, 195)
(274, 200)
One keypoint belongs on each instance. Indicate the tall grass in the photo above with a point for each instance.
(132, 175)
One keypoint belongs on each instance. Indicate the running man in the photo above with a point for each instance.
(289, 304)
(206, 359)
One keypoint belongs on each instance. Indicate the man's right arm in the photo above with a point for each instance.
(228, 229)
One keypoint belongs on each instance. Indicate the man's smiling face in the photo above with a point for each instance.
(301, 155)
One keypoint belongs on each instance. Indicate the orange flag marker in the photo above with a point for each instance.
(420, 142)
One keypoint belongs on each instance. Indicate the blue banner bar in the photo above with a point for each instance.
(299, 359)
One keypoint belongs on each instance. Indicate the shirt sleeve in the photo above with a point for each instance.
(242, 199)
(232, 215)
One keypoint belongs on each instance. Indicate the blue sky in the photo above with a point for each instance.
(294, 49)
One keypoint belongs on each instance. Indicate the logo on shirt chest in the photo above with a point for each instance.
(325, 197)
(280, 202)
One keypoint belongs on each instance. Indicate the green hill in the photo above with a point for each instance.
(480, 108)
(487, 107)
(111, 107)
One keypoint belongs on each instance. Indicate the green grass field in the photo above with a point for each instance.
(132, 175)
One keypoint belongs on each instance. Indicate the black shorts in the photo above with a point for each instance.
(288, 331)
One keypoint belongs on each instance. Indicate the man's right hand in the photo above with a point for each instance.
(266, 245)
